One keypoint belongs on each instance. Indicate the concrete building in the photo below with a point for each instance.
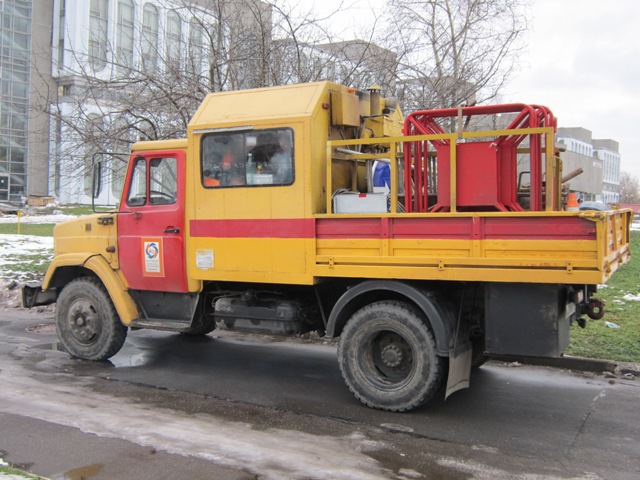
(608, 151)
(600, 161)
(360, 64)
(61, 59)
(111, 41)
(53, 52)
(356, 63)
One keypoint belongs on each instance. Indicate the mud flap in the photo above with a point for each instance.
(33, 295)
(459, 368)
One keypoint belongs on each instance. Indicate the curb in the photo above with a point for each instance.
(568, 362)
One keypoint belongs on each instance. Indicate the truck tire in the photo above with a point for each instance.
(87, 323)
(388, 358)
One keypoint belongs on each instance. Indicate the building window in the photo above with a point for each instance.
(174, 40)
(98, 33)
(150, 38)
(61, 30)
(124, 40)
(195, 47)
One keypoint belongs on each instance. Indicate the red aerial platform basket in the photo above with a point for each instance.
(475, 171)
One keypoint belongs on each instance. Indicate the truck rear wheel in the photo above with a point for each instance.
(87, 323)
(388, 357)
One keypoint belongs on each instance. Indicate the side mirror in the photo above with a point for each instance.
(103, 165)
(96, 179)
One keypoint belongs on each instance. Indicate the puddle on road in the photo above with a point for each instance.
(56, 347)
(122, 359)
(83, 473)
(43, 329)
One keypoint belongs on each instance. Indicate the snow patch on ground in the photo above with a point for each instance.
(631, 297)
(18, 249)
(14, 244)
(274, 454)
(479, 471)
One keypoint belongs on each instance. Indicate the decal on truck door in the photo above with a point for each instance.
(152, 257)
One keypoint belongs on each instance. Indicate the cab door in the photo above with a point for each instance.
(151, 223)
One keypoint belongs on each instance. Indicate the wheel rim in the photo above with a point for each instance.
(388, 359)
(84, 322)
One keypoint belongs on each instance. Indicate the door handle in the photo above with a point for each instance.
(171, 230)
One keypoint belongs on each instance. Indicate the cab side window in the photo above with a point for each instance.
(162, 182)
(255, 157)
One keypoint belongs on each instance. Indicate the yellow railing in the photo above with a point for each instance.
(393, 146)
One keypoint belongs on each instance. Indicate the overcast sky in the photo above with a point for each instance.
(583, 62)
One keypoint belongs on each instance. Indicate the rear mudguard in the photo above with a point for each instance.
(440, 318)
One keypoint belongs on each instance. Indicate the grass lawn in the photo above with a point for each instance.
(37, 229)
(11, 472)
(621, 344)
(77, 209)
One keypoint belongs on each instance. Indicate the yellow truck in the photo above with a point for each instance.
(425, 243)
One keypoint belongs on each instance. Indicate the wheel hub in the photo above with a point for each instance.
(392, 355)
(81, 322)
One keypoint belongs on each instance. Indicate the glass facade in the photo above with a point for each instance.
(15, 18)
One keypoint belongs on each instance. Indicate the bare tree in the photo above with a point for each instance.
(629, 188)
(149, 87)
(454, 52)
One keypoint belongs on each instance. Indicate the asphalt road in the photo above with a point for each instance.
(234, 406)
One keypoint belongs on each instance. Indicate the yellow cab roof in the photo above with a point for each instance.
(254, 105)
(173, 144)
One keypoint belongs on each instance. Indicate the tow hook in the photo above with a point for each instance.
(594, 309)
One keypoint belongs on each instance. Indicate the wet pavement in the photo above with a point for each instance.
(169, 406)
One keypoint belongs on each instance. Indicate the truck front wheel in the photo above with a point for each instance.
(388, 358)
(87, 323)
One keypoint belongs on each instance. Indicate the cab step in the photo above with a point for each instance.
(161, 324)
